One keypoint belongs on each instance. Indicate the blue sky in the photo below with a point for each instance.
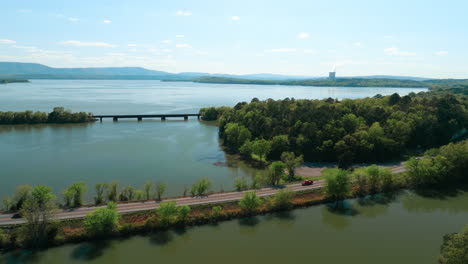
(417, 38)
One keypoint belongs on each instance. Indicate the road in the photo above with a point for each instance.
(7, 219)
(132, 207)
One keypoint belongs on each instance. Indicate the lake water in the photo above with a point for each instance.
(176, 152)
(406, 230)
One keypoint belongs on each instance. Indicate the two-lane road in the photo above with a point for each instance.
(125, 208)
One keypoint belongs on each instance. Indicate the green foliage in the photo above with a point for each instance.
(201, 187)
(360, 177)
(454, 250)
(7, 204)
(102, 221)
(38, 210)
(338, 185)
(291, 162)
(184, 211)
(73, 194)
(139, 195)
(213, 113)
(426, 171)
(240, 184)
(112, 191)
(168, 213)
(348, 131)
(160, 189)
(276, 170)
(148, 186)
(250, 202)
(23, 192)
(216, 211)
(100, 190)
(127, 193)
(236, 135)
(57, 116)
(258, 181)
(373, 176)
(282, 199)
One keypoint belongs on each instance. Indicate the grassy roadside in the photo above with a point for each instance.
(73, 231)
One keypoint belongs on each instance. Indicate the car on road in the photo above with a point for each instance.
(307, 182)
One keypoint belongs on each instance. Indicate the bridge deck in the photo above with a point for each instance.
(140, 117)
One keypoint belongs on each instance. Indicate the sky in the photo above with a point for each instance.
(410, 38)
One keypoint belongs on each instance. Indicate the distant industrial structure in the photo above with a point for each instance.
(332, 75)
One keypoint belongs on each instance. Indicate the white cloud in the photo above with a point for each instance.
(166, 41)
(184, 13)
(73, 19)
(303, 35)
(441, 53)
(87, 44)
(281, 50)
(107, 21)
(132, 45)
(179, 36)
(235, 18)
(7, 41)
(184, 45)
(396, 52)
(357, 44)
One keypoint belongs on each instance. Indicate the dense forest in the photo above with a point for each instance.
(375, 129)
(341, 82)
(58, 115)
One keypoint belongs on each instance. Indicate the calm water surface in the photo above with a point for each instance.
(130, 152)
(405, 230)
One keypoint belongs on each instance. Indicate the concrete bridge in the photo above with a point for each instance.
(140, 117)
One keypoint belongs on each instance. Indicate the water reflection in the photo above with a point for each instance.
(91, 251)
(413, 202)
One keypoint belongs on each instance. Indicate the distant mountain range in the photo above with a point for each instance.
(21, 70)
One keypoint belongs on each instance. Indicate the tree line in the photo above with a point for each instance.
(58, 115)
(375, 129)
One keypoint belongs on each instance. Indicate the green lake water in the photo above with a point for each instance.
(406, 230)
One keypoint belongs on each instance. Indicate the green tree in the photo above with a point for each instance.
(216, 211)
(427, 170)
(38, 211)
(338, 185)
(454, 250)
(240, 184)
(23, 192)
(167, 212)
(291, 162)
(282, 199)
(112, 191)
(184, 211)
(148, 186)
(360, 178)
(139, 195)
(250, 202)
(102, 221)
(201, 187)
(127, 193)
(236, 135)
(160, 189)
(100, 190)
(373, 176)
(73, 194)
(276, 171)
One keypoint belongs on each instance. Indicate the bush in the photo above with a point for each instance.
(73, 194)
(282, 199)
(216, 211)
(338, 185)
(250, 202)
(240, 184)
(201, 187)
(102, 221)
(454, 250)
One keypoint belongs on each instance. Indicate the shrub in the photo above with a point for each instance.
(102, 221)
(282, 199)
(250, 202)
(240, 184)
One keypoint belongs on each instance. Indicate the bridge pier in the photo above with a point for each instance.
(185, 117)
(100, 119)
(198, 117)
(163, 118)
(115, 119)
(140, 118)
